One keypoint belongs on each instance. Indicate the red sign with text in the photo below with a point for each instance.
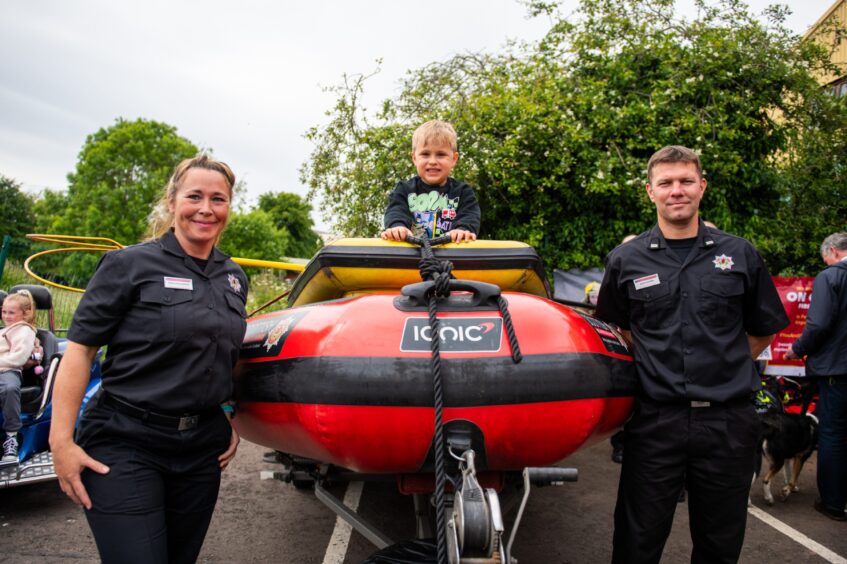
(795, 293)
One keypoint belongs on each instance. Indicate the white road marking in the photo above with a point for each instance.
(336, 551)
(796, 536)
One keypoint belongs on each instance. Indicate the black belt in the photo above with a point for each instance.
(737, 402)
(179, 422)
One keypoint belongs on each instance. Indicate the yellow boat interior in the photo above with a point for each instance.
(350, 267)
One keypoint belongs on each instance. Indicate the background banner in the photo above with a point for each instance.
(795, 293)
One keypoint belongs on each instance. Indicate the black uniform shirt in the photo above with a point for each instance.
(173, 330)
(690, 319)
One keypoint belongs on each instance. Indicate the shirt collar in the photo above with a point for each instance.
(705, 237)
(170, 244)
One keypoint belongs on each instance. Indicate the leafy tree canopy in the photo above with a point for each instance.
(120, 174)
(254, 235)
(555, 135)
(16, 216)
(292, 213)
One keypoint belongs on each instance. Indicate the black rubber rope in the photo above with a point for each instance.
(510, 330)
(439, 271)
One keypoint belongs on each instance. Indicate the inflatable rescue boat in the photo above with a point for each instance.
(343, 376)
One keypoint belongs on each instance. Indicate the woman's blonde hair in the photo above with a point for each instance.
(27, 303)
(161, 219)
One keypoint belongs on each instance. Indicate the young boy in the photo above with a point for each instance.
(432, 204)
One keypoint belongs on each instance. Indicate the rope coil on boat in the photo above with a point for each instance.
(510, 329)
(440, 273)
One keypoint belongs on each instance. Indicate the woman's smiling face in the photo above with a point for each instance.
(201, 208)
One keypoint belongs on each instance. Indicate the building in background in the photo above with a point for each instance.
(822, 32)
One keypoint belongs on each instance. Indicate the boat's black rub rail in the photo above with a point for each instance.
(408, 258)
(405, 382)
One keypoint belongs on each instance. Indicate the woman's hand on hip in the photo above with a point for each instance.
(229, 453)
(68, 462)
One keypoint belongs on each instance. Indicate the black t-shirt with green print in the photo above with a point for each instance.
(432, 211)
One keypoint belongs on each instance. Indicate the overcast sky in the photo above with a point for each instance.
(242, 78)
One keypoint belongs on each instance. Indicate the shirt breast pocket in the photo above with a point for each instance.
(237, 315)
(170, 313)
(651, 307)
(721, 300)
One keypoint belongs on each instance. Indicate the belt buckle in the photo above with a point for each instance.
(186, 423)
(695, 403)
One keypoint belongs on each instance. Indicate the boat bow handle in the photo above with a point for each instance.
(483, 295)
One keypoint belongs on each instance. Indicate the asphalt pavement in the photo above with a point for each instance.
(270, 521)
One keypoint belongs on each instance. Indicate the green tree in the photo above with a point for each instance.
(48, 208)
(555, 135)
(119, 176)
(254, 235)
(16, 216)
(292, 213)
(814, 182)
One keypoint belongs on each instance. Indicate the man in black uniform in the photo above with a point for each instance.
(697, 306)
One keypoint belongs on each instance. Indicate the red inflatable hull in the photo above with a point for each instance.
(348, 383)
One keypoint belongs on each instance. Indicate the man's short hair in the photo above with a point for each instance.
(673, 154)
(435, 132)
(837, 241)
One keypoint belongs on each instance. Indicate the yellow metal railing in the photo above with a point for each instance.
(76, 243)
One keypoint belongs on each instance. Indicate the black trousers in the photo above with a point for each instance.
(156, 502)
(709, 448)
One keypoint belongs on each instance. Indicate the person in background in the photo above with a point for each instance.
(433, 203)
(824, 344)
(591, 291)
(697, 305)
(151, 445)
(17, 340)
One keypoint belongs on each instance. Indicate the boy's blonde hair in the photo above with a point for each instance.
(435, 132)
(26, 302)
(161, 219)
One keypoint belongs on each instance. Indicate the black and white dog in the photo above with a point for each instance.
(788, 440)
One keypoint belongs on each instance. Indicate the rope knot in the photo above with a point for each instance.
(439, 271)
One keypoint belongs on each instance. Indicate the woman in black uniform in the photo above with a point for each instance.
(151, 445)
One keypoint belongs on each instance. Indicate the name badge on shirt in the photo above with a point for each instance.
(646, 281)
(179, 283)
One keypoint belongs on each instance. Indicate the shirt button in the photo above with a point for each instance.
(208, 371)
(167, 298)
(687, 351)
(211, 306)
(685, 324)
(685, 294)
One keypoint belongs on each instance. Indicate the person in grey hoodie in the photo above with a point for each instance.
(824, 344)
